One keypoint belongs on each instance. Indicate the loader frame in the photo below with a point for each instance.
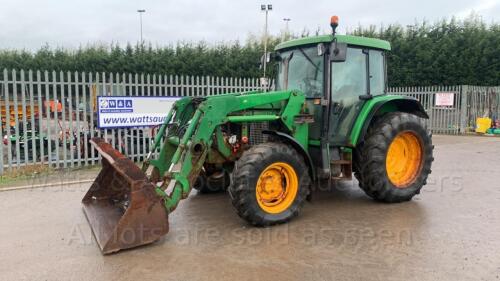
(201, 121)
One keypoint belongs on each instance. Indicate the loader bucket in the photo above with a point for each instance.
(121, 206)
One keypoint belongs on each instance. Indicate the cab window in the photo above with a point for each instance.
(349, 81)
(349, 77)
(377, 73)
(305, 71)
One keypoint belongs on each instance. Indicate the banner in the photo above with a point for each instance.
(127, 111)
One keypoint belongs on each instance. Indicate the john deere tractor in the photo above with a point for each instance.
(328, 118)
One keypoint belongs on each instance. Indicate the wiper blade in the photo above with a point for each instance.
(308, 58)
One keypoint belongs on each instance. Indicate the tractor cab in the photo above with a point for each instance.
(338, 74)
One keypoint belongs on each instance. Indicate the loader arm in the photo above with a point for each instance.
(126, 208)
(180, 162)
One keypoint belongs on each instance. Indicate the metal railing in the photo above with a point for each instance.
(469, 103)
(48, 117)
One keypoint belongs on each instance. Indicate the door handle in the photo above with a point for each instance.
(337, 107)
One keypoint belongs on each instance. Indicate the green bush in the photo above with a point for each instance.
(445, 53)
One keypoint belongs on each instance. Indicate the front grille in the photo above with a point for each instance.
(255, 135)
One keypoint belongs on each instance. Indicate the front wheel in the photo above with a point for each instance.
(270, 183)
(393, 161)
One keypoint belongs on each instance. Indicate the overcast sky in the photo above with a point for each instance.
(32, 23)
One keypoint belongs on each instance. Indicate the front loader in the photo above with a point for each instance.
(329, 118)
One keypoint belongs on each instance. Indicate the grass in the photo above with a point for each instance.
(24, 173)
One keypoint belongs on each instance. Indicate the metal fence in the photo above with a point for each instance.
(469, 103)
(481, 102)
(48, 117)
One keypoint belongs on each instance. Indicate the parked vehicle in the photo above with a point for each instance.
(30, 143)
(329, 117)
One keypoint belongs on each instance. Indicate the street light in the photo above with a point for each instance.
(286, 20)
(265, 8)
(141, 11)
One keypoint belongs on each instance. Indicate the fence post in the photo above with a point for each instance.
(32, 117)
(71, 137)
(16, 117)
(40, 115)
(7, 117)
(464, 89)
(2, 86)
(23, 119)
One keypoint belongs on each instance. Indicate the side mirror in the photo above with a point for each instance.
(267, 57)
(321, 49)
(338, 52)
(270, 56)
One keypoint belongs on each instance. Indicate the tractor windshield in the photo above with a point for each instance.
(301, 69)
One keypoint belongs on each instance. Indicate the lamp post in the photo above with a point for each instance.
(141, 11)
(265, 8)
(286, 20)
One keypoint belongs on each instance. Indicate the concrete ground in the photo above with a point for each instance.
(451, 231)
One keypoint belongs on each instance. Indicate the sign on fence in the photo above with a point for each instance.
(130, 111)
(445, 99)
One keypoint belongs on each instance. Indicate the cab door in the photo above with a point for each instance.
(353, 81)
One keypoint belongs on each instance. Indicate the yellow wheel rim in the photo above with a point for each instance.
(404, 159)
(277, 187)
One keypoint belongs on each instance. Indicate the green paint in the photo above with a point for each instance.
(252, 118)
(222, 146)
(349, 39)
(183, 111)
(186, 137)
(301, 134)
(346, 149)
(293, 107)
(157, 140)
(365, 112)
(314, 142)
(161, 131)
(203, 120)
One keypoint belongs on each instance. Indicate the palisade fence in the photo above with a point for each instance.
(48, 117)
(469, 103)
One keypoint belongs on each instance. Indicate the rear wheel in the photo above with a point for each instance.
(394, 160)
(270, 183)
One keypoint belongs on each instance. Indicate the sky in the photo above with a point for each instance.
(30, 24)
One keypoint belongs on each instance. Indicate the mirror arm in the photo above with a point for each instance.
(335, 48)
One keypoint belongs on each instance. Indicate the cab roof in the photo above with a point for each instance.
(349, 39)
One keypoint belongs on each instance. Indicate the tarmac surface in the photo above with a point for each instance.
(451, 231)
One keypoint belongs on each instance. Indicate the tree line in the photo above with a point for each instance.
(448, 52)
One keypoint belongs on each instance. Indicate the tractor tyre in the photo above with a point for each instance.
(394, 159)
(270, 183)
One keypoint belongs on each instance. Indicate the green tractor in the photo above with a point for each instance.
(329, 118)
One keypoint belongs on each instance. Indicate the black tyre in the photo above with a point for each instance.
(394, 159)
(270, 183)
